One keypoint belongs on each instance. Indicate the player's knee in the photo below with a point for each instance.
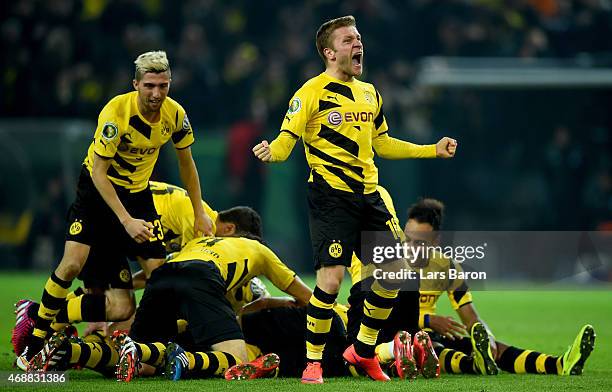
(121, 312)
(329, 279)
(120, 308)
(69, 268)
(330, 286)
(73, 260)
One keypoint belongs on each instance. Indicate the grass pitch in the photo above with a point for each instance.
(544, 321)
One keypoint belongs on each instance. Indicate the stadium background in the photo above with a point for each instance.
(534, 154)
(524, 85)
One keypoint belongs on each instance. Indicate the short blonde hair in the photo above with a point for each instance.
(155, 61)
(324, 34)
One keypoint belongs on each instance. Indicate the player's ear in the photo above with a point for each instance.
(329, 53)
(135, 84)
(230, 229)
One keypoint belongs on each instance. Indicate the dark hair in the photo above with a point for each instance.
(427, 211)
(246, 219)
(326, 30)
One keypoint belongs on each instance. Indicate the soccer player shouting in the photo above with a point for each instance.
(114, 208)
(341, 122)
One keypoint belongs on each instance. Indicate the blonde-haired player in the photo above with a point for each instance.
(113, 209)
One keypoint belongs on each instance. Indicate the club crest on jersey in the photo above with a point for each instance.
(124, 275)
(294, 106)
(110, 131)
(165, 130)
(335, 250)
(334, 118)
(76, 227)
(186, 124)
(368, 96)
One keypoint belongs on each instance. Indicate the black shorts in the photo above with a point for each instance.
(283, 331)
(189, 290)
(338, 218)
(91, 221)
(403, 317)
(104, 270)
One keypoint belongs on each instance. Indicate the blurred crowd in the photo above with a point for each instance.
(235, 65)
(244, 58)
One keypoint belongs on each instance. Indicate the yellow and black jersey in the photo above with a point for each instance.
(249, 292)
(238, 260)
(341, 124)
(176, 211)
(357, 270)
(337, 121)
(132, 142)
(431, 289)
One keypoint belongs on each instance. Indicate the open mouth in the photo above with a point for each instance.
(357, 58)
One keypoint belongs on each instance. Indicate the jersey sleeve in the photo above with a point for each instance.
(300, 111)
(458, 293)
(275, 270)
(301, 108)
(182, 137)
(380, 122)
(108, 135)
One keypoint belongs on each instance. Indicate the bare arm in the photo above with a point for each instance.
(446, 326)
(298, 290)
(469, 316)
(189, 176)
(138, 229)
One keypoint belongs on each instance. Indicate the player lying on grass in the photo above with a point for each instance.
(176, 214)
(459, 354)
(191, 289)
(237, 260)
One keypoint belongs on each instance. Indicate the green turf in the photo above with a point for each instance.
(545, 321)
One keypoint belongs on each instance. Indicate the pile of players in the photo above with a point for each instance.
(203, 312)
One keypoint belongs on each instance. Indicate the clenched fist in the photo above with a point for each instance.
(446, 147)
(262, 151)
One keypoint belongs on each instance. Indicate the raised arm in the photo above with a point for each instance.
(301, 108)
(391, 148)
(278, 150)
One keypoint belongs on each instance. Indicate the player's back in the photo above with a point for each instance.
(176, 214)
(238, 259)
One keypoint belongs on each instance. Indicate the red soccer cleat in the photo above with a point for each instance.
(263, 366)
(53, 353)
(313, 374)
(128, 364)
(370, 366)
(426, 358)
(404, 360)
